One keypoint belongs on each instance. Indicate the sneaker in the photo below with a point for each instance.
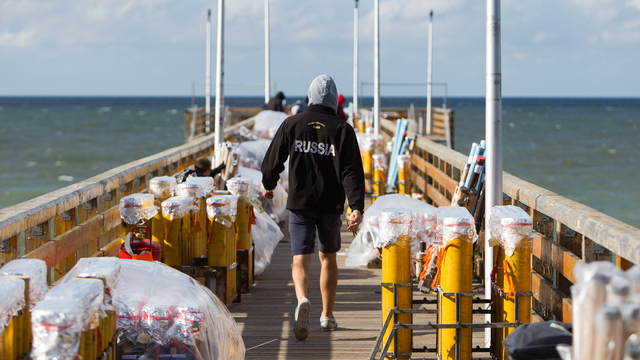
(301, 324)
(328, 324)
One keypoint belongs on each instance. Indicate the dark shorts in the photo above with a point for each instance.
(302, 231)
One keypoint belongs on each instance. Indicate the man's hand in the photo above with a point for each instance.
(268, 194)
(354, 221)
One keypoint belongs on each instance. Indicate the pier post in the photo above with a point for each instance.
(395, 227)
(455, 262)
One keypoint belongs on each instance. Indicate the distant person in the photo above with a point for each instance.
(300, 106)
(277, 103)
(324, 166)
(201, 168)
(341, 101)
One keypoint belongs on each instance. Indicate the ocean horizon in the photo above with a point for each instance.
(582, 148)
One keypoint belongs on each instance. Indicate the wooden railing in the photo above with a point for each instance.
(565, 231)
(83, 219)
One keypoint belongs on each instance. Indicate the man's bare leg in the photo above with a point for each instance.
(300, 275)
(328, 282)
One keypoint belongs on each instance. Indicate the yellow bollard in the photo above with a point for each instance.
(222, 241)
(455, 275)
(379, 179)
(395, 226)
(198, 188)
(10, 346)
(136, 211)
(512, 227)
(176, 215)
(404, 174)
(162, 188)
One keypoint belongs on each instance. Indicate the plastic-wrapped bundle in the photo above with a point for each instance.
(266, 235)
(253, 152)
(370, 142)
(173, 310)
(276, 207)
(198, 187)
(510, 225)
(56, 326)
(162, 187)
(222, 205)
(241, 186)
(11, 299)
(107, 268)
(137, 208)
(89, 294)
(267, 122)
(404, 161)
(455, 222)
(395, 223)
(35, 270)
(379, 162)
(363, 247)
(178, 206)
(587, 295)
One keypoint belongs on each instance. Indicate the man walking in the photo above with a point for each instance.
(324, 166)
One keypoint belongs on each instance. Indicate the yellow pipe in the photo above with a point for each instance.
(26, 328)
(396, 268)
(517, 280)
(187, 238)
(243, 218)
(456, 277)
(232, 270)
(10, 351)
(172, 244)
(200, 229)
(218, 246)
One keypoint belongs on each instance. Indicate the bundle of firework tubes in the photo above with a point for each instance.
(606, 313)
(470, 191)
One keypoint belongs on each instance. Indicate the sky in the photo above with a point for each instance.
(550, 48)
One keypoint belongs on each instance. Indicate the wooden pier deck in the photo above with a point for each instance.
(265, 315)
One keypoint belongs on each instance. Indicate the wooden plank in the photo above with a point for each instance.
(61, 247)
(556, 255)
(434, 172)
(437, 197)
(111, 249)
(557, 303)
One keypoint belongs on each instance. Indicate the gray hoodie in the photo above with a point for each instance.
(323, 91)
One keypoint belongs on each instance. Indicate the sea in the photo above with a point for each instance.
(584, 149)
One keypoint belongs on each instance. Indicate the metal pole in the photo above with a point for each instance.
(219, 118)
(376, 68)
(355, 62)
(267, 54)
(493, 124)
(429, 69)
(207, 98)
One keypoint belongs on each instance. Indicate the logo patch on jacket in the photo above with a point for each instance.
(316, 125)
(314, 147)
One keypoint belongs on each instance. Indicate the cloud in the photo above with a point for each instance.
(543, 36)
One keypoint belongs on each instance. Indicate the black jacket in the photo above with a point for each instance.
(324, 162)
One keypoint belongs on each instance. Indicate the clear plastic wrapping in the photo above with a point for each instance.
(379, 162)
(167, 306)
(35, 270)
(454, 222)
(56, 326)
(404, 161)
(267, 122)
(395, 223)
(87, 293)
(137, 208)
(162, 187)
(252, 153)
(178, 206)
(240, 186)
(370, 142)
(198, 187)
(266, 235)
(511, 226)
(276, 207)
(364, 247)
(11, 299)
(222, 205)
(107, 268)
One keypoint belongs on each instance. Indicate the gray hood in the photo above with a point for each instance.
(323, 92)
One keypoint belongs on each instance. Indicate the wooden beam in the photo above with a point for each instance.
(552, 298)
(555, 255)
